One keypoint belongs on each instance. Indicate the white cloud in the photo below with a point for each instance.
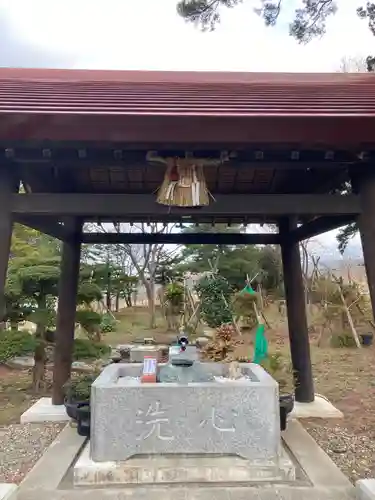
(326, 244)
(146, 34)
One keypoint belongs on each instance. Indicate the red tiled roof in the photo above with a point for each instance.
(185, 93)
(186, 107)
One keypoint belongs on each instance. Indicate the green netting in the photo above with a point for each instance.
(248, 289)
(261, 345)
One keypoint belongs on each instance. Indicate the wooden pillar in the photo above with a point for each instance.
(296, 311)
(364, 184)
(66, 312)
(8, 185)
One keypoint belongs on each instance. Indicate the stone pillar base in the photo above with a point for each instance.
(173, 469)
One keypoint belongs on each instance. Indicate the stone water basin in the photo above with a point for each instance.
(220, 417)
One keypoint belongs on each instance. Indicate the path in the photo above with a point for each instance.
(192, 493)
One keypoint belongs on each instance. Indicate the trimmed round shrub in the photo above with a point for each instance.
(15, 343)
(87, 349)
(89, 320)
(108, 324)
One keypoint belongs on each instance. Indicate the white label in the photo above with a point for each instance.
(149, 366)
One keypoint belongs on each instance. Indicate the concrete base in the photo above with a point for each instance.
(156, 469)
(8, 491)
(44, 411)
(365, 489)
(51, 478)
(319, 408)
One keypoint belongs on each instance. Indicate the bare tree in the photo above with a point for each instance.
(305, 260)
(353, 65)
(144, 259)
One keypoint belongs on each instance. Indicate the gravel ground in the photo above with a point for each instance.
(21, 446)
(353, 453)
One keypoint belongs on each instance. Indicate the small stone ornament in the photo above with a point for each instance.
(234, 371)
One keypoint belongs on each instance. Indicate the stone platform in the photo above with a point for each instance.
(175, 469)
(365, 489)
(44, 411)
(319, 408)
(8, 491)
(318, 478)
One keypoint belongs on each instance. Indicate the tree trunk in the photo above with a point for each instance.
(96, 334)
(40, 355)
(151, 306)
(39, 369)
(150, 292)
(108, 300)
(117, 302)
(109, 288)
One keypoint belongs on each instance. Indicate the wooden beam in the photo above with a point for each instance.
(50, 227)
(183, 238)
(133, 205)
(83, 154)
(320, 225)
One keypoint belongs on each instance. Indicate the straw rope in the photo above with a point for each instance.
(184, 184)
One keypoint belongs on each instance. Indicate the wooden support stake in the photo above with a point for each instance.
(347, 312)
(350, 319)
(235, 324)
(369, 321)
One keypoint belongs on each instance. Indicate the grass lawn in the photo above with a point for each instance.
(134, 323)
(15, 394)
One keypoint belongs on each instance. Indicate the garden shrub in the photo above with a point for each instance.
(87, 349)
(108, 324)
(174, 294)
(223, 345)
(215, 293)
(79, 388)
(344, 339)
(89, 320)
(16, 343)
(280, 369)
(243, 307)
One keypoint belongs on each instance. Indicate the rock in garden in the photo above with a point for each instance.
(201, 342)
(209, 333)
(338, 447)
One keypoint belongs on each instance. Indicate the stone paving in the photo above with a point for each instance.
(193, 493)
(51, 479)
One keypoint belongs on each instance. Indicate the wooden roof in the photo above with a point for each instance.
(186, 107)
(185, 93)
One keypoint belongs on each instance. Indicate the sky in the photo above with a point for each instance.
(148, 34)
